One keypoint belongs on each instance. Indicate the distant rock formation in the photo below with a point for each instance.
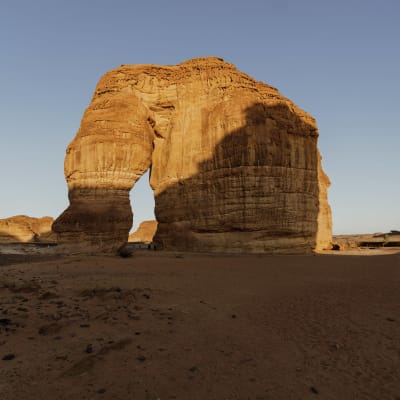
(234, 164)
(144, 233)
(21, 228)
(371, 240)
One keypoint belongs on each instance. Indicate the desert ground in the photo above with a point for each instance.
(185, 326)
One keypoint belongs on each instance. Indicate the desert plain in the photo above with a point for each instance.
(169, 325)
(234, 168)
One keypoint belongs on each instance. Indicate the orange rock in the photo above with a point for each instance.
(234, 164)
(144, 233)
(21, 228)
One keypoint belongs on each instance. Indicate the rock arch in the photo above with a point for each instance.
(234, 164)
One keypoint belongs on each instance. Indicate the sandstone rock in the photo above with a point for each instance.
(234, 164)
(144, 233)
(324, 231)
(21, 228)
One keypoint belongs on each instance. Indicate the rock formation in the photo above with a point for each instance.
(144, 233)
(324, 223)
(366, 240)
(21, 228)
(234, 164)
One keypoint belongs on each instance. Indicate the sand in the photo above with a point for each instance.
(184, 326)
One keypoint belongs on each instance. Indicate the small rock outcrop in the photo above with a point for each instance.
(144, 233)
(366, 240)
(22, 228)
(234, 164)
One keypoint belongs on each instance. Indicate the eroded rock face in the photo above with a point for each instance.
(22, 228)
(234, 164)
(144, 233)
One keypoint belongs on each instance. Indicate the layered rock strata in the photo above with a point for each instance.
(234, 164)
(22, 228)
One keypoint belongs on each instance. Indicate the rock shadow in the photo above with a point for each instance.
(254, 189)
(258, 192)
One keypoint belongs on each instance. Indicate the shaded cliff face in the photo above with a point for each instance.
(234, 164)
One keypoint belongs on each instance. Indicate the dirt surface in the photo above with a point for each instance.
(8, 259)
(201, 327)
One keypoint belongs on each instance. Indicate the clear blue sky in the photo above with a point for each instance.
(338, 59)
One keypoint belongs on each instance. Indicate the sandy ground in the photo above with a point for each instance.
(180, 326)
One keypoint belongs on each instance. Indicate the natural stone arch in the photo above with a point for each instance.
(234, 164)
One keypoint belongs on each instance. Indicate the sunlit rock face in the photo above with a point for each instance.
(144, 233)
(234, 164)
(22, 228)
